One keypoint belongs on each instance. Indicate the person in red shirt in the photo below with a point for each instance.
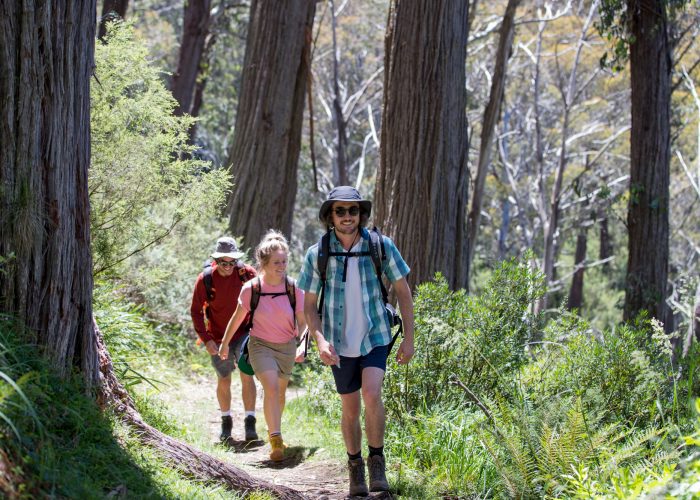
(210, 318)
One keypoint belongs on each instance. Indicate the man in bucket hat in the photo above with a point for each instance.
(353, 332)
(213, 302)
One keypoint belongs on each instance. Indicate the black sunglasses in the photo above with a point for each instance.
(341, 211)
(226, 263)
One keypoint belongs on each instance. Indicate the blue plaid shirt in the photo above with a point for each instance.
(393, 267)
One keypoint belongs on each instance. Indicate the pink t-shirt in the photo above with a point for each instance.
(273, 319)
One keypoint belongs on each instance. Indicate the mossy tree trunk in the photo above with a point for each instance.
(267, 137)
(45, 273)
(422, 182)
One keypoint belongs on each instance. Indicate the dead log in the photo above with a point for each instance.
(188, 460)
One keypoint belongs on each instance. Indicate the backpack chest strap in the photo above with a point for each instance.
(347, 255)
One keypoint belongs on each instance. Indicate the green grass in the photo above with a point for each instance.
(72, 449)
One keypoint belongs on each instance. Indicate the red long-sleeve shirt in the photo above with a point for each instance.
(222, 306)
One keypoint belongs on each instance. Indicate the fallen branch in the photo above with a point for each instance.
(185, 458)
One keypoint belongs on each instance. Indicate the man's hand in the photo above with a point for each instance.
(223, 351)
(300, 357)
(211, 347)
(405, 352)
(327, 353)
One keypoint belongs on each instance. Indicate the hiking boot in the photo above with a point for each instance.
(358, 486)
(226, 426)
(277, 447)
(377, 473)
(250, 434)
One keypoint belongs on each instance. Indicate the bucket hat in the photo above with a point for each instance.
(226, 247)
(343, 193)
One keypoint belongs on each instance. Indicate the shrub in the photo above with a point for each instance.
(624, 374)
(140, 156)
(479, 340)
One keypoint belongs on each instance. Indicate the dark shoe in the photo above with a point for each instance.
(358, 485)
(226, 426)
(250, 434)
(377, 473)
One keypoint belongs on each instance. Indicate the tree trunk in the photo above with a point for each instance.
(45, 263)
(267, 138)
(576, 290)
(606, 243)
(340, 169)
(550, 222)
(196, 20)
(491, 114)
(647, 209)
(111, 10)
(422, 182)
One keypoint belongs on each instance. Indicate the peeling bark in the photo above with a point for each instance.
(45, 271)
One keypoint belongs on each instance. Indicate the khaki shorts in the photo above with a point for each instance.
(266, 356)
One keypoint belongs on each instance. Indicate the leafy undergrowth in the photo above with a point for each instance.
(58, 443)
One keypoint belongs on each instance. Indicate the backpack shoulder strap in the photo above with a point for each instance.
(324, 245)
(208, 282)
(376, 249)
(378, 254)
(244, 273)
(324, 248)
(254, 299)
(291, 287)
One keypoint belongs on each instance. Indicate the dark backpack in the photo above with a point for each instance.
(256, 293)
(378, 255)
(290, 292)
(243, 274)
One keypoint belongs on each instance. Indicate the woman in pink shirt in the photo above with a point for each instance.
(272, 346)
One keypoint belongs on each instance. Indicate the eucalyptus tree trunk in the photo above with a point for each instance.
(267, 137)
(647, 209)
(45, 263)
(551, 215)
(196, 21)
(340, 169)
(576, 290)
(488, 127)
(111, 10)
(605, 250)
(422, 183)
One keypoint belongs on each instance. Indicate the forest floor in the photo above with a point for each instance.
(311, 470)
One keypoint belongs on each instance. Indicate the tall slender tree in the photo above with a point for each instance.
(491, 116)
(267, 136)
(422, 182)
(45, 263)
(195, 31)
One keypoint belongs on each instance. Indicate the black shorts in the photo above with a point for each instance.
(348, 378)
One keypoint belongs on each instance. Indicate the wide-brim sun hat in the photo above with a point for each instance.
(226, 247)
(343, 193)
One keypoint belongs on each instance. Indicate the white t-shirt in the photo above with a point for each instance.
(356, 320)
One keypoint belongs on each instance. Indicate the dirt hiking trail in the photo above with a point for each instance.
(308, 470)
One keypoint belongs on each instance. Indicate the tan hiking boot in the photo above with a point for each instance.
(377, 473)
(358, 486)
(277, 447)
